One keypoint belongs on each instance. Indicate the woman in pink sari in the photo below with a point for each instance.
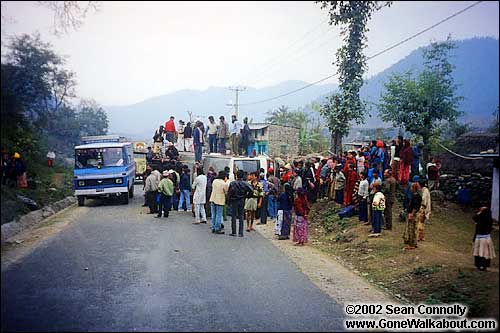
(302, 208)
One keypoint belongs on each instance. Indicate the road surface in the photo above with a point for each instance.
(115, 268)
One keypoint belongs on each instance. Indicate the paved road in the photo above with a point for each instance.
(149, 274)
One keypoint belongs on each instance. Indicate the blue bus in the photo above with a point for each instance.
(104, 167)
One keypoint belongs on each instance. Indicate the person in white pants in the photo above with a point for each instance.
(180, 137)
(200, 196)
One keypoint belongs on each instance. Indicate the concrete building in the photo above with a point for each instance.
(274, 140)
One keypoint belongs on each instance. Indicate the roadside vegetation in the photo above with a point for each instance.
(440, 270)
(38, 115)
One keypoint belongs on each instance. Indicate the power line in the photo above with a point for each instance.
(296, 55)
(371, 57)
(273, 59)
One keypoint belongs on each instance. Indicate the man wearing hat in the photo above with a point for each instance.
(288, 173)
(172, 153)
(166, 190)
(151, 190)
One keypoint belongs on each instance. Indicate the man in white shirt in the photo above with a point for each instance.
(235, 135)
(363, 192)
(212, 135)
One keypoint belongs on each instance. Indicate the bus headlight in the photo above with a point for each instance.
(119, 180)
(81, 183)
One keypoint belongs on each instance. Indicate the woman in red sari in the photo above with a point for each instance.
(406, 160)
(302, 208)
(350, 183)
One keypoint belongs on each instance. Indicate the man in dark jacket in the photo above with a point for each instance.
(172, 153)
(185, 188)
(237, 192)
(198, 141)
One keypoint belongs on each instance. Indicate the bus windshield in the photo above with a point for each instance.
(98, 157)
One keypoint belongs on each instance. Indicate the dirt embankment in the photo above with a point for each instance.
(440, 270)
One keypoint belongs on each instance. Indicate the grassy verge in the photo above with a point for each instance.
(440, 270)
(46, 185)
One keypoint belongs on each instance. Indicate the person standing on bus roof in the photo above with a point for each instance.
(170, 130)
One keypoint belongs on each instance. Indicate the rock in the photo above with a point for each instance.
(85, 268)
(27, 201)
(437, 196)
(47, 211)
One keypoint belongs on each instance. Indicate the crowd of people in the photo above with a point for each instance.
(194, 137)
(363, 182)
(13, 171)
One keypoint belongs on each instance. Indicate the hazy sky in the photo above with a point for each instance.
(130, 51)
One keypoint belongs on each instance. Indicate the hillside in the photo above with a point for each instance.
(476, 73)
(140, 119)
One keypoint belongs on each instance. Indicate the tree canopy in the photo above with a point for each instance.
(346, 106)
(36, 95)
(421, 102)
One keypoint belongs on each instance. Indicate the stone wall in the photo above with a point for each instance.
(283, 135)
(31, 219)
(470, 143)
(479, 187)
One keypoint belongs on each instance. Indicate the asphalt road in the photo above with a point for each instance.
(148, 274)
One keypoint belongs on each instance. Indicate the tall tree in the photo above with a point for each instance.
(38, 78)
(92, 118)
(421, 103)
(283, 116)
(351, 65)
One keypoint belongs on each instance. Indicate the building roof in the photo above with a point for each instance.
(103, 145)
(257, 126)
(264, 125)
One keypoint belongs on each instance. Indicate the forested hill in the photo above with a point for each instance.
(476, 73)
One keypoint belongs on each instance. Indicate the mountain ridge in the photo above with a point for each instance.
(476, 74)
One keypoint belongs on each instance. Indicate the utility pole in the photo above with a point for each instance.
(236, 89)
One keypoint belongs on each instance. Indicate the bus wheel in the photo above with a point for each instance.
(131, 192)
(125, 198)
(81, 200)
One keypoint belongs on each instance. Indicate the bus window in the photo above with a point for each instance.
(246, 165)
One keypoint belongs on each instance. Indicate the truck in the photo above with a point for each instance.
(104, 167)
(140, 152)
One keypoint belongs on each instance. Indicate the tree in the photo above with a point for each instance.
(92, 119)
(37, 78)
(494, 126)
(351, 65)
(67, 14)
(279, 116)
(421, 103)
(337, 120)
(282, 116)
